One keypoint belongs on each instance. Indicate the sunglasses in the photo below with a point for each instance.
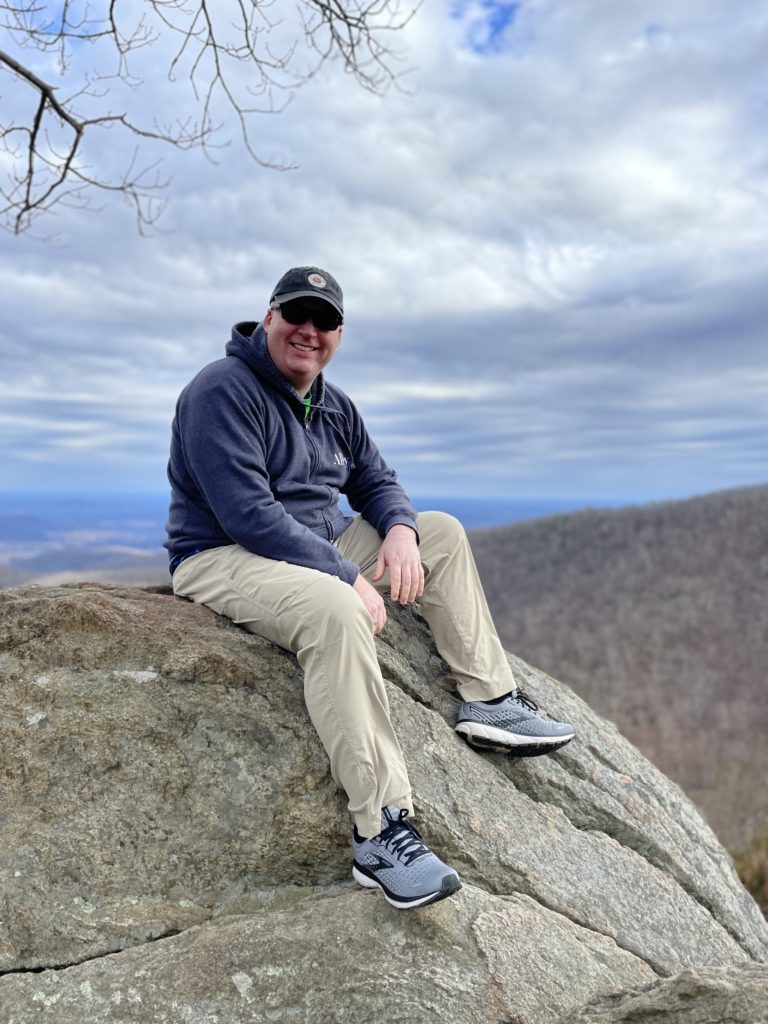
(296, 313)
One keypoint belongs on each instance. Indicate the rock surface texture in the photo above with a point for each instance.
(174, 849)
(711, 995)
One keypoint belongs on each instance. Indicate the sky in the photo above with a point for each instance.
(551, 235)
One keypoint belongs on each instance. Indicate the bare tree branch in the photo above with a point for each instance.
(49, 145)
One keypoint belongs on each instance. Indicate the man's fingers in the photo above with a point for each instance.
(395, 576)
(373, 601)
(408, 588)
(379, 617)
(407, 581)
(417, 583)
(413, 578)
(380, 567)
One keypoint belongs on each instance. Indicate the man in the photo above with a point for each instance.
(262, 445)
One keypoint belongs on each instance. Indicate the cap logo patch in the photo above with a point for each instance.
(317, 280)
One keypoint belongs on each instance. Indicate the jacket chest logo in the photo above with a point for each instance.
(339, 459)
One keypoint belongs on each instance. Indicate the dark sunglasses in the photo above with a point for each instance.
(296, 313)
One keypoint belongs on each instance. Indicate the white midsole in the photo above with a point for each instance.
(369, 883)
(509, 739)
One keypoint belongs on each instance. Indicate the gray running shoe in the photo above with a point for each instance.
(511, 724)
(397, 862)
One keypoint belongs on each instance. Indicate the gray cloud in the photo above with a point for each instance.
(553, 254)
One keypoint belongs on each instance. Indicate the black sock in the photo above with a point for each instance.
(498, 700)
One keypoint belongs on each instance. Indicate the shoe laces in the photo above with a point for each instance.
(521, 697)
(403, 839)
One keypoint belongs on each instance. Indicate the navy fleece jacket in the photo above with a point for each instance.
(245, 467)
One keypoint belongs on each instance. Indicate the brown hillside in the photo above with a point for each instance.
(658, 617)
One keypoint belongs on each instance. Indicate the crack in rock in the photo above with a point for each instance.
(98, 956)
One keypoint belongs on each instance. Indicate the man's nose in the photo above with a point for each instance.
(308, 329)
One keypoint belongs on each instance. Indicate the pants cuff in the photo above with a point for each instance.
(474, 689)
(369, 824)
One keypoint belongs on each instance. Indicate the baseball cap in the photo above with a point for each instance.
(309, 282)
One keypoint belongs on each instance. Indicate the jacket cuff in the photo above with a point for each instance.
(402, 519)
(349, 571)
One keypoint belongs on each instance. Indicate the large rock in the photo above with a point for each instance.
(325, 955)
(709, 995)
(160, 776)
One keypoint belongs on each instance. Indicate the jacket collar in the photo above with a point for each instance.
(249, 343)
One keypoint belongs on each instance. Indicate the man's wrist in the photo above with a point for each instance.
(400, 527)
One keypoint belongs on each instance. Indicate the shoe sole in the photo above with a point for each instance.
(486, 737)
(450, 885)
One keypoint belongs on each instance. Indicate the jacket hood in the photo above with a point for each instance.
(249, 343)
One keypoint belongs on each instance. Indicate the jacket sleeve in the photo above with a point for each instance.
(221, 426)
(372, 488)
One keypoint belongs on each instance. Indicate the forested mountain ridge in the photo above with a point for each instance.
(658, 617)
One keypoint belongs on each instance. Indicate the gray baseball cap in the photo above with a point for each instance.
(309, 282)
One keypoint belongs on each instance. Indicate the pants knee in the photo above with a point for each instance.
(442, 528)
(340, 611)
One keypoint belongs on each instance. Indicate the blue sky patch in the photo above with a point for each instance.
(487, 22)
(656, 35)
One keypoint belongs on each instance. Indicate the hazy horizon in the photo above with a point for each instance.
(54, 537)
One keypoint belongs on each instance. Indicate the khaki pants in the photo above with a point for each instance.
(323, 621)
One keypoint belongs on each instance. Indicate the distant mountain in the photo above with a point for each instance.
(658, 617)
(75, 565)
(55, 538)
(117, 537)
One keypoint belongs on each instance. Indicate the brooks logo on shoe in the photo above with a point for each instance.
(378, 863)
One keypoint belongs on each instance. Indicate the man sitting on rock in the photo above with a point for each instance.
(262, 446)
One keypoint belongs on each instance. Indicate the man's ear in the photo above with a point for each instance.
(267, 318)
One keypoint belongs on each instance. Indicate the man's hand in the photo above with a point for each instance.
(373, 601)
(400, 554)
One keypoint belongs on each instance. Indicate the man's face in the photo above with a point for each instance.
(300, 351)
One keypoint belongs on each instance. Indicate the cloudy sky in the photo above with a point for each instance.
(552, 239)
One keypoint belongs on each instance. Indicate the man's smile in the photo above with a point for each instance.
(301, 351)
